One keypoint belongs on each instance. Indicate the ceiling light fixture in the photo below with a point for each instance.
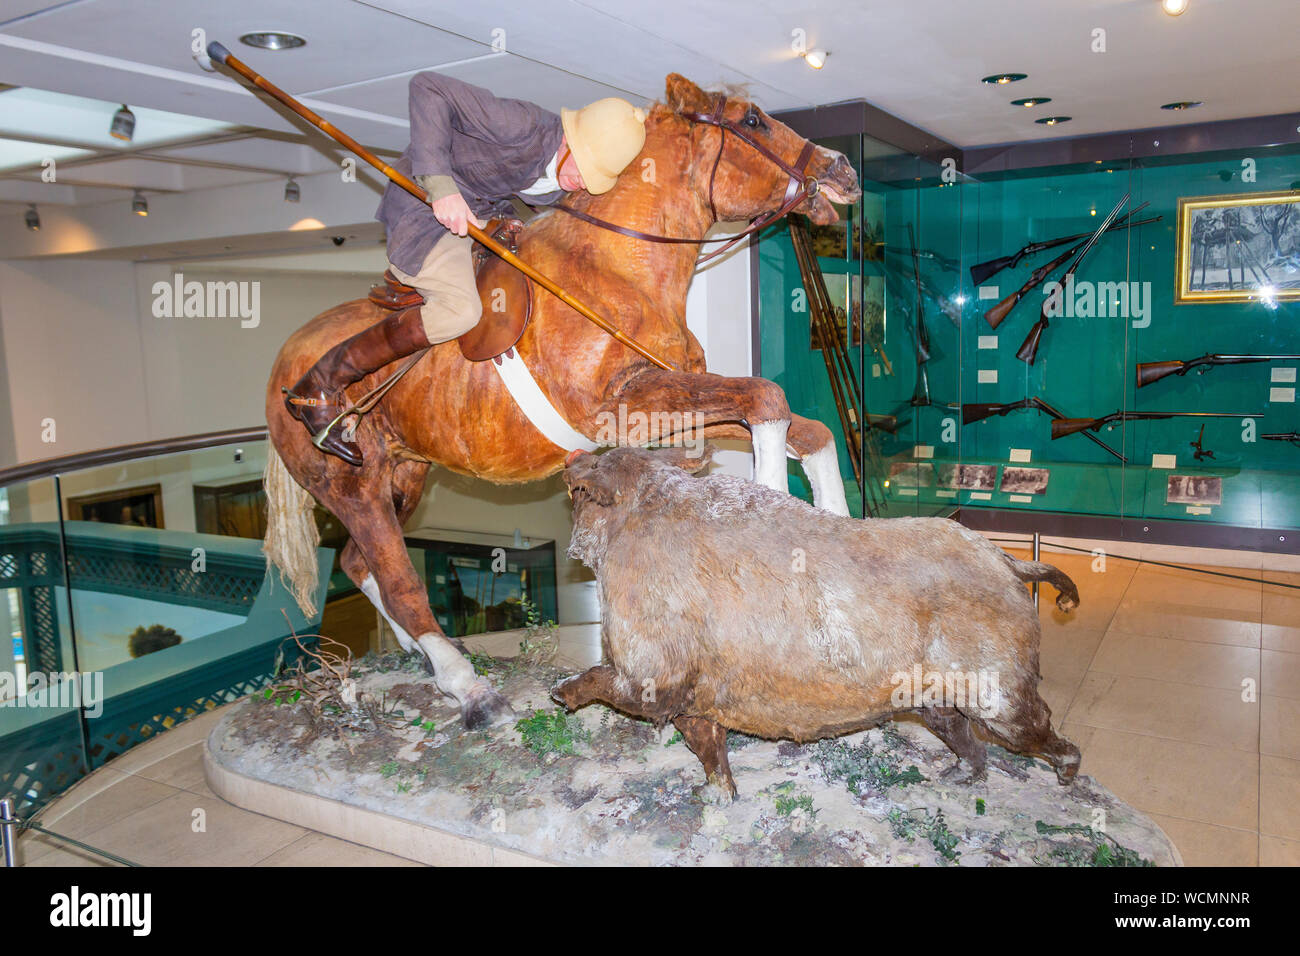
(32, 218)
(1032, 101)
(273, 40)
(139, 205)
(1174, 7)
(1182, 105)
(292, 191)
(123, 125)
(816, 58)
(1053, 120)
(1002, 79)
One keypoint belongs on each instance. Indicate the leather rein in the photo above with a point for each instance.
(800, 187)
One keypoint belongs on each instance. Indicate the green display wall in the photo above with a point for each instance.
(1085, 365)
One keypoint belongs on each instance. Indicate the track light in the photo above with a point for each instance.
(139, 205)
(292, 191)
(32, 218)
(123, 126)
(1174, 7)
(816, 58)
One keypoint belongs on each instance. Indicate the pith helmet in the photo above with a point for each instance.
(604, 137)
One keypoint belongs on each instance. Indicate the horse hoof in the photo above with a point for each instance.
(486, 709)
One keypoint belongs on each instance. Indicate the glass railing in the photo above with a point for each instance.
(133, 596)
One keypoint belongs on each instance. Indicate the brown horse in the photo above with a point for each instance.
(459, 414)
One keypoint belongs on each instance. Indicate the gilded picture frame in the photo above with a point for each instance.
(1238, 248)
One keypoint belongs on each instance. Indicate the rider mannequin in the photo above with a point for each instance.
(465, 142)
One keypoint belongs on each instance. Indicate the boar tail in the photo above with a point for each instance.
(1067, 598)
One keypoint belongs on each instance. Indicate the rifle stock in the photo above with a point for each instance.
(1028, 350)
(984, 270)
(979, 411)
(1071, 426)
(995, 315)
(1148, 372)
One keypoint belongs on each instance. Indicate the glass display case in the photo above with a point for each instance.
(958, 410)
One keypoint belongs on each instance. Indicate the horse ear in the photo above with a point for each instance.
(682, 95)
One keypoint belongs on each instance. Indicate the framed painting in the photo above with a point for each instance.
(1240, 248)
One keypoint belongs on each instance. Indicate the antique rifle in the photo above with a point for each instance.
(979, 412)
(1028, 350)
(1070, 426)
(1291, 437)
(1199, 451)
(995, 315)
(921, 394)
(983, 271)
(1148, 372)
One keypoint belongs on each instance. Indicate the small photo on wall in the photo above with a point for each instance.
(1193, 490)
(842, 291)
(911, 474)
(969, 477)
(1242, 248)
(1024, 481)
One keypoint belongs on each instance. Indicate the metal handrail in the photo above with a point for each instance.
(48, 467)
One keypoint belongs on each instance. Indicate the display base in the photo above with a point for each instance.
(627, 794)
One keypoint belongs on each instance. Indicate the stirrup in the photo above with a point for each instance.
(319, 438)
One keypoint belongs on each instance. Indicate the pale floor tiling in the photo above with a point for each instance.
(1181, 690)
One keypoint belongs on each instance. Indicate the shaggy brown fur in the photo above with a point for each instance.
(725, 603)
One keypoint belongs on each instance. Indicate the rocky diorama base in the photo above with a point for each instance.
(595, 787)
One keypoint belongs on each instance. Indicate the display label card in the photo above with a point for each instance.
(1198, 510)
(923, 451)
(946, 493)
(1021, 454)
(989, 292)
(1023, 499)
(981, 496)
(991, 342)
(1281, 395)
(1164, 461)
(1281, 374)
(875, 370)
(989, 376)
(907, 492)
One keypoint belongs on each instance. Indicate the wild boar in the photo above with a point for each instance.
(726, 605)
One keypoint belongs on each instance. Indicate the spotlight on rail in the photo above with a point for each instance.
(816, 58)
(139, 205)
(1173, 7)
(32, 218)
(292, 191)
(123, 125)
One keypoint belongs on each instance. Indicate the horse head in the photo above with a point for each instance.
(735, 177)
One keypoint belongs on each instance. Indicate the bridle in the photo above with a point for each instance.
(800, 187)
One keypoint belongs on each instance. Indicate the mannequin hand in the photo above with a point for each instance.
(454, 213)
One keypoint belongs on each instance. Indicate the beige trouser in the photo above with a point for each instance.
(446, 280)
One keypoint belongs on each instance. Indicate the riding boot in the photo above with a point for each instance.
(318, 399)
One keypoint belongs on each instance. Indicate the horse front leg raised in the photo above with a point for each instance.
(665, 398)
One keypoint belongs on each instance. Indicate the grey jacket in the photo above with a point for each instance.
(486, 147)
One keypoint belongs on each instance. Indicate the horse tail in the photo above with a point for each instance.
(1067, 598)
(291, 533)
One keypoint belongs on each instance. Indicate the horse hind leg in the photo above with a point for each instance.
(954, 729)
(399, 595)
(1028, 730)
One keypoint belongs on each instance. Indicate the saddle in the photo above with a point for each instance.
(506, 293)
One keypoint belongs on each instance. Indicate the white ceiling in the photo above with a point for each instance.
(920, 60)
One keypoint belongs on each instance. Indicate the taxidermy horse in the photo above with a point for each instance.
(691, 173)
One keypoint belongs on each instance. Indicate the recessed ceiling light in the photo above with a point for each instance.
(1002, 79)
(272, 40)
(1182, 105)
(1053, 120)
(123, 125)
(1032, 101)
(139, 205)
(1174, 7)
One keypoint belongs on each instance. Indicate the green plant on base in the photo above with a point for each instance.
(1106, 850)
(857, 765)
(550, 733)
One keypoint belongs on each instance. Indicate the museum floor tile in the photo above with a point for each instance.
(1182, 691)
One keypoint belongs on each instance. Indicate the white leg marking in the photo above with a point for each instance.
(769, 454)
(453, 674)
(823, 470)
(371, 590)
